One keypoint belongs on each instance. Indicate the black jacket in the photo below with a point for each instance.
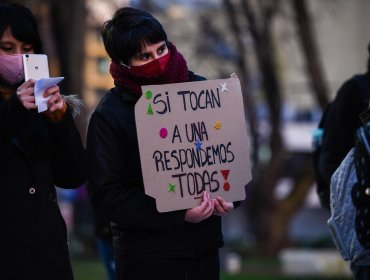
(35, 155)
(117, 192)
(341, 124)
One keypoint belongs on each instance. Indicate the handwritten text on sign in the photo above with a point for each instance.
(192, 137)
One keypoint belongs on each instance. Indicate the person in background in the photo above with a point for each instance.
(147, 244)
(38, 152)
(343, 120)
(104, 242)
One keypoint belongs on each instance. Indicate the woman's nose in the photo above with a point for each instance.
(156, 56)
(17, 50)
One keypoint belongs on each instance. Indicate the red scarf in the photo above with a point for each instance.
(176, 72)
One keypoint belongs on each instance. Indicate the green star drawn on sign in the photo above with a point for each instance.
(171, 187)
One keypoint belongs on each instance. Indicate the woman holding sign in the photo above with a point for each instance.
(148, 244)
(37, 152)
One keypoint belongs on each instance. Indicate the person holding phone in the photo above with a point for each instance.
(147, 244)
(37, 153)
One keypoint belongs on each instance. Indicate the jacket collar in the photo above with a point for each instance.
(125, 95)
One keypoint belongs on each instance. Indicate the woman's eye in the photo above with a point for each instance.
(6, 49)
(27, 50)
(161, 49)
(144, 56)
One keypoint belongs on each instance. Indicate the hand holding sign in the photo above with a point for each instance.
(192, 138)
(221, 206)
(201, 212)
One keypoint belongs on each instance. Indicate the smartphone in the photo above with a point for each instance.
(35, 66)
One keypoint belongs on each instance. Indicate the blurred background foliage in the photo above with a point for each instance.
(290, 56)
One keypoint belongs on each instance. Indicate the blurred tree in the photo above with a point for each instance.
(63, 25)
(259, 16)
(308, 42)
(269, 218)
(68, 22)
(242, 67)
(147, 5)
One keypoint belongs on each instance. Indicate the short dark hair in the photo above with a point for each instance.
(126, 33)
(22, 24)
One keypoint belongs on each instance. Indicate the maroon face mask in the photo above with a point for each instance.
(153, 68)
(176, 71)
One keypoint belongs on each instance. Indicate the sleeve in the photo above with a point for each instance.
(340, 127)
(68, 153)
(3, 113)
(3, 116)
(237, 204)
(13, 111)
(110, 193)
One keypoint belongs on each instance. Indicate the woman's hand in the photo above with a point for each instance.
(201, 212)
(55, 102)
(222, 207)
(26, 96)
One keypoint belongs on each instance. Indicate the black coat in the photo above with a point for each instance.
(117, 192)
(341, 124)
(36, 155)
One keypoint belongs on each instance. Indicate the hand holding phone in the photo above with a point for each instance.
(25, 94)
(36, 67)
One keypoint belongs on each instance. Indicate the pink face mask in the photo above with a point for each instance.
(11, 68)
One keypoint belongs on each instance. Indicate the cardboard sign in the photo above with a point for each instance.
(192, 137)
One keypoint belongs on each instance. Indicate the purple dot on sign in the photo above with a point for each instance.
(163, 132)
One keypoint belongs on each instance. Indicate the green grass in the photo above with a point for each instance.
(88, 270)
(93, 270)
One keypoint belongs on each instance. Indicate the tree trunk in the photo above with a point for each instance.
(69, 26)
(287, 208)
(263, 187)
(269, 218)
(310, 51)
(242, 65)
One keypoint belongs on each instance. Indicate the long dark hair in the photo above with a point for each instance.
(125, 35)
(22, 24)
